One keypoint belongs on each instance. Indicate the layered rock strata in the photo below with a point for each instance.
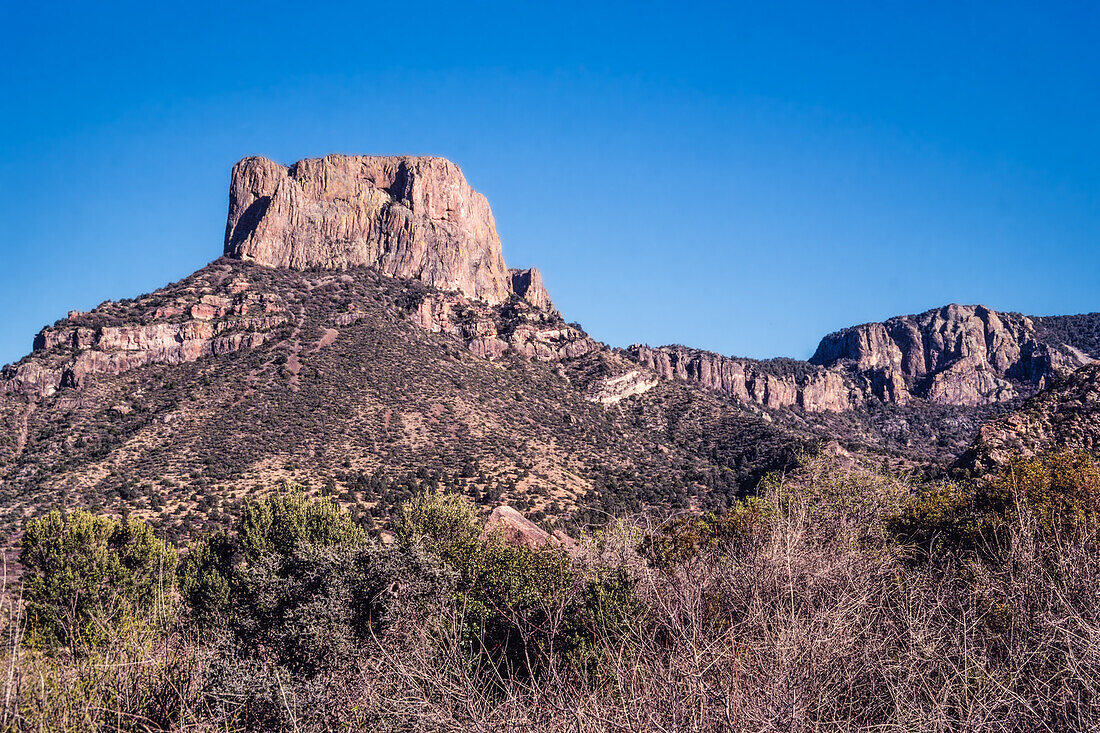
(69, 354)
(814, 389)
(954, 355)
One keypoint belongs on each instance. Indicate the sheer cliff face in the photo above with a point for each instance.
(954, 355)
(412, 217)
(802, 386)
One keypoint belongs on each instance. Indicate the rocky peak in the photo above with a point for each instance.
(956, 355)
(528, 285)
(412, 217)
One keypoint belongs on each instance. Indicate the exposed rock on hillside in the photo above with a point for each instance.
(490, 332)
(618, 388)
(190, 327)
(954, 355)
(353, 393)
(364, 333)
(527, 284)
(516, 529)
(410, 217)
(963, 356)
(1065, 416)
(789, 384)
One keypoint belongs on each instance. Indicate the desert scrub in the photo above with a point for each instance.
(689, 536)
(1061, 490)
(87, 577)
(522, 608)
(944, 518)
(271, 530)
(1055, 493)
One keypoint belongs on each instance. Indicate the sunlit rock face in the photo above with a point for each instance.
(954, 355)
(813, 389)
(413, 217)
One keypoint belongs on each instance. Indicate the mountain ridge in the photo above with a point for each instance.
(363, 328)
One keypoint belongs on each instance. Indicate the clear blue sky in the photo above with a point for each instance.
(743, 179)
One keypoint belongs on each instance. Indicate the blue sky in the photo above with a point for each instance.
(742, 178)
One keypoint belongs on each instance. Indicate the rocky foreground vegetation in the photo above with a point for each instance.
(837, 598)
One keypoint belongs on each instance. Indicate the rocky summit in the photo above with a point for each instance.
(959, 355)
(363, 332)
(954, 355)
(407, 216)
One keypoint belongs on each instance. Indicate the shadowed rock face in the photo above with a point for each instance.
(412, 217)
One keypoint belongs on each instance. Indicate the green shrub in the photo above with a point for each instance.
(279, 527)
(282, 523)
(1059, 491)
(944, 518)
(302, 611)
(204, 578)
(689, 536)
(446, 524)
(522, 606)
(87, 576)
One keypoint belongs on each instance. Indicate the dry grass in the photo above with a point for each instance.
(819, 623)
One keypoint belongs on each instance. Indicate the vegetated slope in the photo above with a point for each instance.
(298, 356)
(1080, 331)
(919, 435)
(1065, 416)
(350, 394)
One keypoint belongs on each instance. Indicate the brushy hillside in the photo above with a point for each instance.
(1065, 416)
(177, 405)
(1081, 331)
(839, 599)
(351, 398)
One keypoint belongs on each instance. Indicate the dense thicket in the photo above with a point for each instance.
(840, 598)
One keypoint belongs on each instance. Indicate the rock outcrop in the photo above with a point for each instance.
(74, 351)
(524, 328)
(787, 384)
(517, 530)
(619, 387)
(1065, 416)
(528, 285)
(413, 217)
(954, 355)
